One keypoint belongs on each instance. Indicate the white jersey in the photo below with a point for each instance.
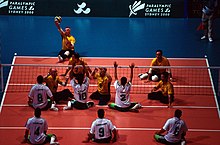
(39, 94)
(174, 127)
(102, 128)
(122, 98)
(37, 127)
(80, 91)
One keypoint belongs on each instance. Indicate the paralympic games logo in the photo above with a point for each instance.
(136, 7)
(81, 9)
(3, 3)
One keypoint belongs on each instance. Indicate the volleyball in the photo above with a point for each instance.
(154, 78)
(58, 18)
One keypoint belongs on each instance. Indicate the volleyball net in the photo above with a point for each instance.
(187, 80)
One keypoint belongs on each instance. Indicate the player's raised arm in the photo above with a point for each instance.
(132, 71)
(57, 23)
(115, 66)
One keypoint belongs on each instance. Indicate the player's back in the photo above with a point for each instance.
(102, 128)
(37, 127)
(39, 94)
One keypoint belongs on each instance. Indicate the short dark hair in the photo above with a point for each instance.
(178, 113)
(40, 79)
(160, 51)
(76, 55)
(37, 112)
(123, 80)
(166, 74)
(101, 113)
(80, 78)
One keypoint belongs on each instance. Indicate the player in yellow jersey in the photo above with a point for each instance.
(154, 73)
(104, 82)
(52, 80)
(68, 42)
(76, 64)
(166, 93)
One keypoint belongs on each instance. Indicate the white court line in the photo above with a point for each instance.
(6, 86)
(129, 129)
(112, 58)
(213, 90)
(105, 106)
(94, 85)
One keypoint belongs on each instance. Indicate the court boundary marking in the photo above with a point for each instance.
(118, 128)
(150, 85)
(111, 57)
(213, 90)
(7, 84)
(106, 106)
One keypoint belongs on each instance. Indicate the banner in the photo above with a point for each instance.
(94, 8)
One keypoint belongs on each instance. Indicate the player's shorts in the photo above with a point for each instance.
(63, 95)
(79, 105)
(49, 103)
(103, 99)
(104, 140)
(116, 107)
(47, 140)
(161, 139)
(159, 96)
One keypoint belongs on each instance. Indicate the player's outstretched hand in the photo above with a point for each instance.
(115, 64)
(132, 65)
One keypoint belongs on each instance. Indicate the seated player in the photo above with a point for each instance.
(41, 97)
(122, 98)
(102, 130)
(36, 129)
(52, 80)
(68, 42)
(166, 93)
(104, 82)
(154, 73)
(80, 85)
(76, 62)
(173, 131)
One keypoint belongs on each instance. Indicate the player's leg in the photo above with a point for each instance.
(79, 105)
(160, 139)
(104, 99)
(51, 104)
(69, 105)
(116, 107)
(155, 95)
(95, 95)
(61, 56)
(90, 104)
(143, 76)
(105, 140)
(165, 99)
(64, 96)
(51, 138)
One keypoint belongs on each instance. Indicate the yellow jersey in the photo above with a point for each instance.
(102, 84)
(164, 62)
(64, 42)
(52, 83)
(166, 88)
(74, 63)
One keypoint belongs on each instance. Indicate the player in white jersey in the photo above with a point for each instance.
(123, 88)
(80, 84)
(38, 127)
(102, 130)
(176, 130)
(38, 96)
